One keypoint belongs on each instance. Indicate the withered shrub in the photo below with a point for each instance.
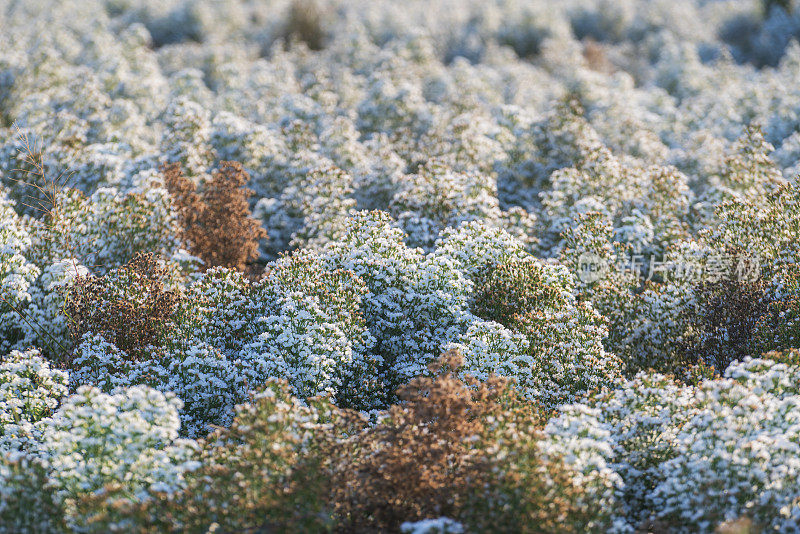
(216, 221)
(420, 462)
(742, 525)
(304, 23)
(737, 318)
(130, 306)
(453, 448)
(595, 55)
(789, 357)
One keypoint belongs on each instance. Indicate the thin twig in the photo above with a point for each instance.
(25, 318)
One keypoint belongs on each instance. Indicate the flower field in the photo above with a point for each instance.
(355, 266)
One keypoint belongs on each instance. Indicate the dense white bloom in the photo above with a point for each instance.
(129, 437)
(490, 348)
(211, 384)
(416, 302)
(473, 245)
(692, 456)
(17, 274)
(30, 390)
(46, 324)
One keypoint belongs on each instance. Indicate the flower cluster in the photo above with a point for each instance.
(690, 458)
(554, 347)
(31, 391)
(17, 274)
(120, 446)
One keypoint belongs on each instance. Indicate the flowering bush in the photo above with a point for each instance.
(415, 303)
(311, 331)
(106, 230)
(128, 438)
(29, 503)
(558, 352)
(210, 383)
(267, 470)
(46, 324)
(131, 437)
(31, 391)
(743, 430)
(689, 457)
(94, 441)
(17, 274)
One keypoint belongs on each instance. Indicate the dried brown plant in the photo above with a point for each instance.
(595, 55)
(304, 23)
(742, 525)
(428, 458)
(43, 188)
(130, 306)
(216, 221)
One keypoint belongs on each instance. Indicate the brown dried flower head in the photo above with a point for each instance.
(216, 221)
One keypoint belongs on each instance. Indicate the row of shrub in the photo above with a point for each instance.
(653, 453)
